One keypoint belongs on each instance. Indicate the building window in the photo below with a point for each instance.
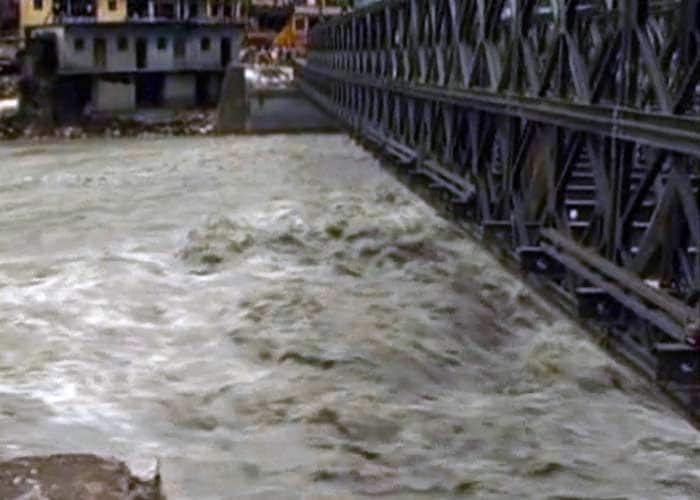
(162, 43)
(180, 48)
(206, 44)
(79, 44)
(227, 11)
(165, 10)
(194, 10)
(122, 44)
(112, 5)
(38, 4)
(299, 24)
(215, 10)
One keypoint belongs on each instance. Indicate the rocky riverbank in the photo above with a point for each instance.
(159, 123)
(75, 477)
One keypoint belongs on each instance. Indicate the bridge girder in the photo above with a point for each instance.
(566, 130)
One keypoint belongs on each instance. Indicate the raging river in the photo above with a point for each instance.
(278, 318)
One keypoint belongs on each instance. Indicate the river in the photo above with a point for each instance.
(277, 318)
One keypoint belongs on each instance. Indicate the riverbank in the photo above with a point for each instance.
(274, 107)
(163, 123)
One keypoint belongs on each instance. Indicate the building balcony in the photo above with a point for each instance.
(73, 19)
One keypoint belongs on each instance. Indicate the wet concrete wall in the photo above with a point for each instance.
(269, 110)
(114, 94)
(180, 90)
(250, 105)
(233, 105)
(286, 111)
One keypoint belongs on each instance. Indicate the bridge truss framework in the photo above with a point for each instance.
(568, 131)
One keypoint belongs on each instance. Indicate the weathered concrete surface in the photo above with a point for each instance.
(233, 107)
(114, 95)
(266, 101)
(285, 111)
(179, 90)
(74, 477)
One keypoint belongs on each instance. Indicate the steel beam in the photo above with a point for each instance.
(567, 131)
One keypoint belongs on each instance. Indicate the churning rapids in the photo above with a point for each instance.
(278, 318)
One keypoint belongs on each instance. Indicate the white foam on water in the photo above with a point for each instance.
(278, 314)
(9, 105)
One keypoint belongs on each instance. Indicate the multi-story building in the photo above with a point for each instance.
(272, 21)
(46, 12)
(309, 12)
(265, 19)
(114, 55)
(304, 16)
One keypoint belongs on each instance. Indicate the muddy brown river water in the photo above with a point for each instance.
(278, 318)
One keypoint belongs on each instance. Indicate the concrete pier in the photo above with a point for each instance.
(287, 110)
(245, 107)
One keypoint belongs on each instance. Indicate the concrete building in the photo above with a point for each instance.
(307, 14)
(121, 55)
(34, 13)
(268, 19)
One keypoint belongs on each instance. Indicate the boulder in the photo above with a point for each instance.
(75, 477)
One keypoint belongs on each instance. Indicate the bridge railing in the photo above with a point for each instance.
(567, 130)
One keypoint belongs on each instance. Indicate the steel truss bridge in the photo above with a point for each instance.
(566, 131)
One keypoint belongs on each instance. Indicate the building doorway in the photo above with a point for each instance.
(99, 53)
(149, 90)
(141, 53)
(202, 91)
(225, 52)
